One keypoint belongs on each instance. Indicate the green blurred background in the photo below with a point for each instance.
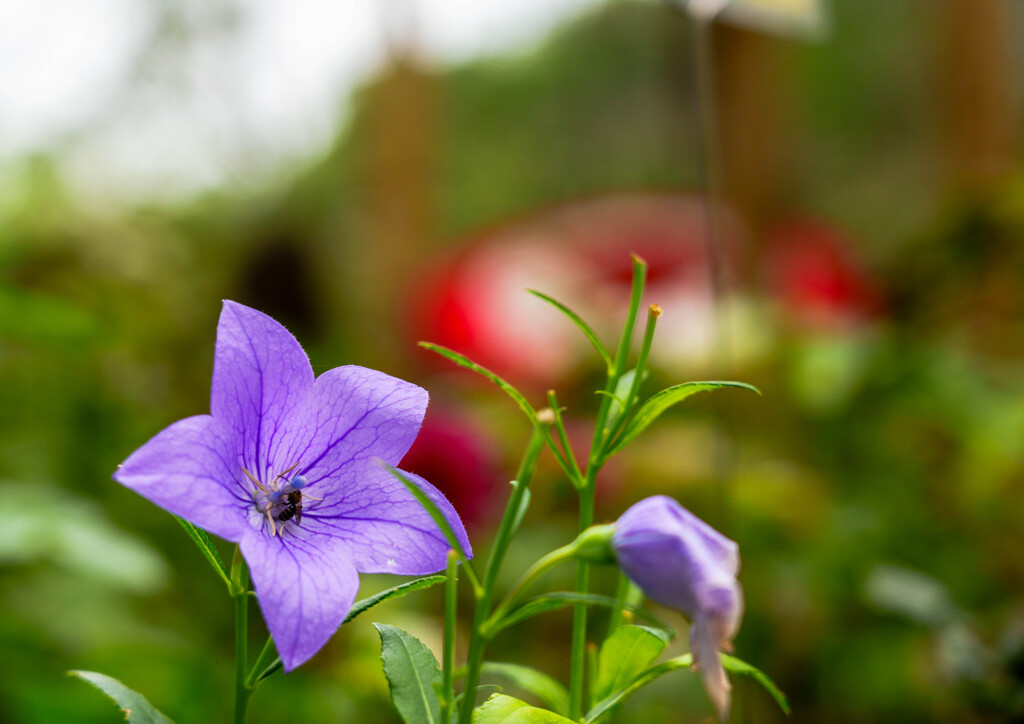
(864, 269)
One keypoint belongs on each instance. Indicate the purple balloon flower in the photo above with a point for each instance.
(288, 467)
(682, 562)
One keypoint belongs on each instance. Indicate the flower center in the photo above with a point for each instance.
(280, 500)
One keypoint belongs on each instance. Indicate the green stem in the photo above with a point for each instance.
(539, 568)
(578, 646)
(448, 656)
(574, 474)
(586, 492)
(259, 670)
(485, 593)
(653, 312)
(240, 583)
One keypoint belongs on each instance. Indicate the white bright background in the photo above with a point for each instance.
(260, 82)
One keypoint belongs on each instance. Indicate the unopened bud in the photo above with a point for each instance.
(546, 416)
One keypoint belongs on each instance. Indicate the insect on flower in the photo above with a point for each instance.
(280, 504)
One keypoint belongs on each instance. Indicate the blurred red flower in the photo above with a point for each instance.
(811, 270)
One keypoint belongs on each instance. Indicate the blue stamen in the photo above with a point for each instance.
(298, 482)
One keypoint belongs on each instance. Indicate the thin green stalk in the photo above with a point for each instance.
(621, 591)
(240, 584)
(448, 655)
(653, 312)
(485, 593)
(575, 475)
(539, 568)
(578, 645)
(586, 492)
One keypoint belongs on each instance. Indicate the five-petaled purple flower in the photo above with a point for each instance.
(289, 467)
(682, 562)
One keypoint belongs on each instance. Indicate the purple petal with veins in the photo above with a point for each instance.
(230, 473)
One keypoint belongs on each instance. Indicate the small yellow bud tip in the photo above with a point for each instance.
(546, 416)
(637, 259)
(655, 310)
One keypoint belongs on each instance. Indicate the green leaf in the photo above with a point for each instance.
(394, 592)
(135, 706)
(365, 605)
(624, 656)
(544, 687)
(501, 709)
(205, 545)
(738, 666)
(730, 664)
(547, 602)
(413, 675)
(583, 327)
(464, 361)
(524, 505)
(663, 400)
(619, 396)
(431, 507)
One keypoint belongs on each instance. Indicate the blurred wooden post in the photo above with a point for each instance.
(401, 133)
(982, 113)
(750, 124)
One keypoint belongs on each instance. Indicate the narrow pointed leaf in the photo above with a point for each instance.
(544, 687)
(387, 594)
(469, 364)
(663, 400)
(548, 602)
(366, 604)
(435, 513)
(135, 706)
(684, 662)
(501, 709)
(413, 675)
(203, 542)
(625, 655)
(524, 505)
(738, 666)
(576, 319)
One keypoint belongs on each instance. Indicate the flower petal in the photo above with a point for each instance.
(384, 527)
(355, 415)
(704, 647)
(305, 587)
(672, 554)
(260, 376)
(186, 469)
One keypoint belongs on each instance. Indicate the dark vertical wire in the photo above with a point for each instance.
(708, 165)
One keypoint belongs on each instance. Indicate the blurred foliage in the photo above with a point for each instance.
(875, 489)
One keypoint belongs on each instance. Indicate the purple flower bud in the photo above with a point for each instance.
(682, 562)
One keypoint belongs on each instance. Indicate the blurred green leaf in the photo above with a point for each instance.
(469, 364)
(72, 533)
(657, 404)
(501, 709)
(36, 317)
(135, 706)
(624, 655)
(413, 673)
(544, 687)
